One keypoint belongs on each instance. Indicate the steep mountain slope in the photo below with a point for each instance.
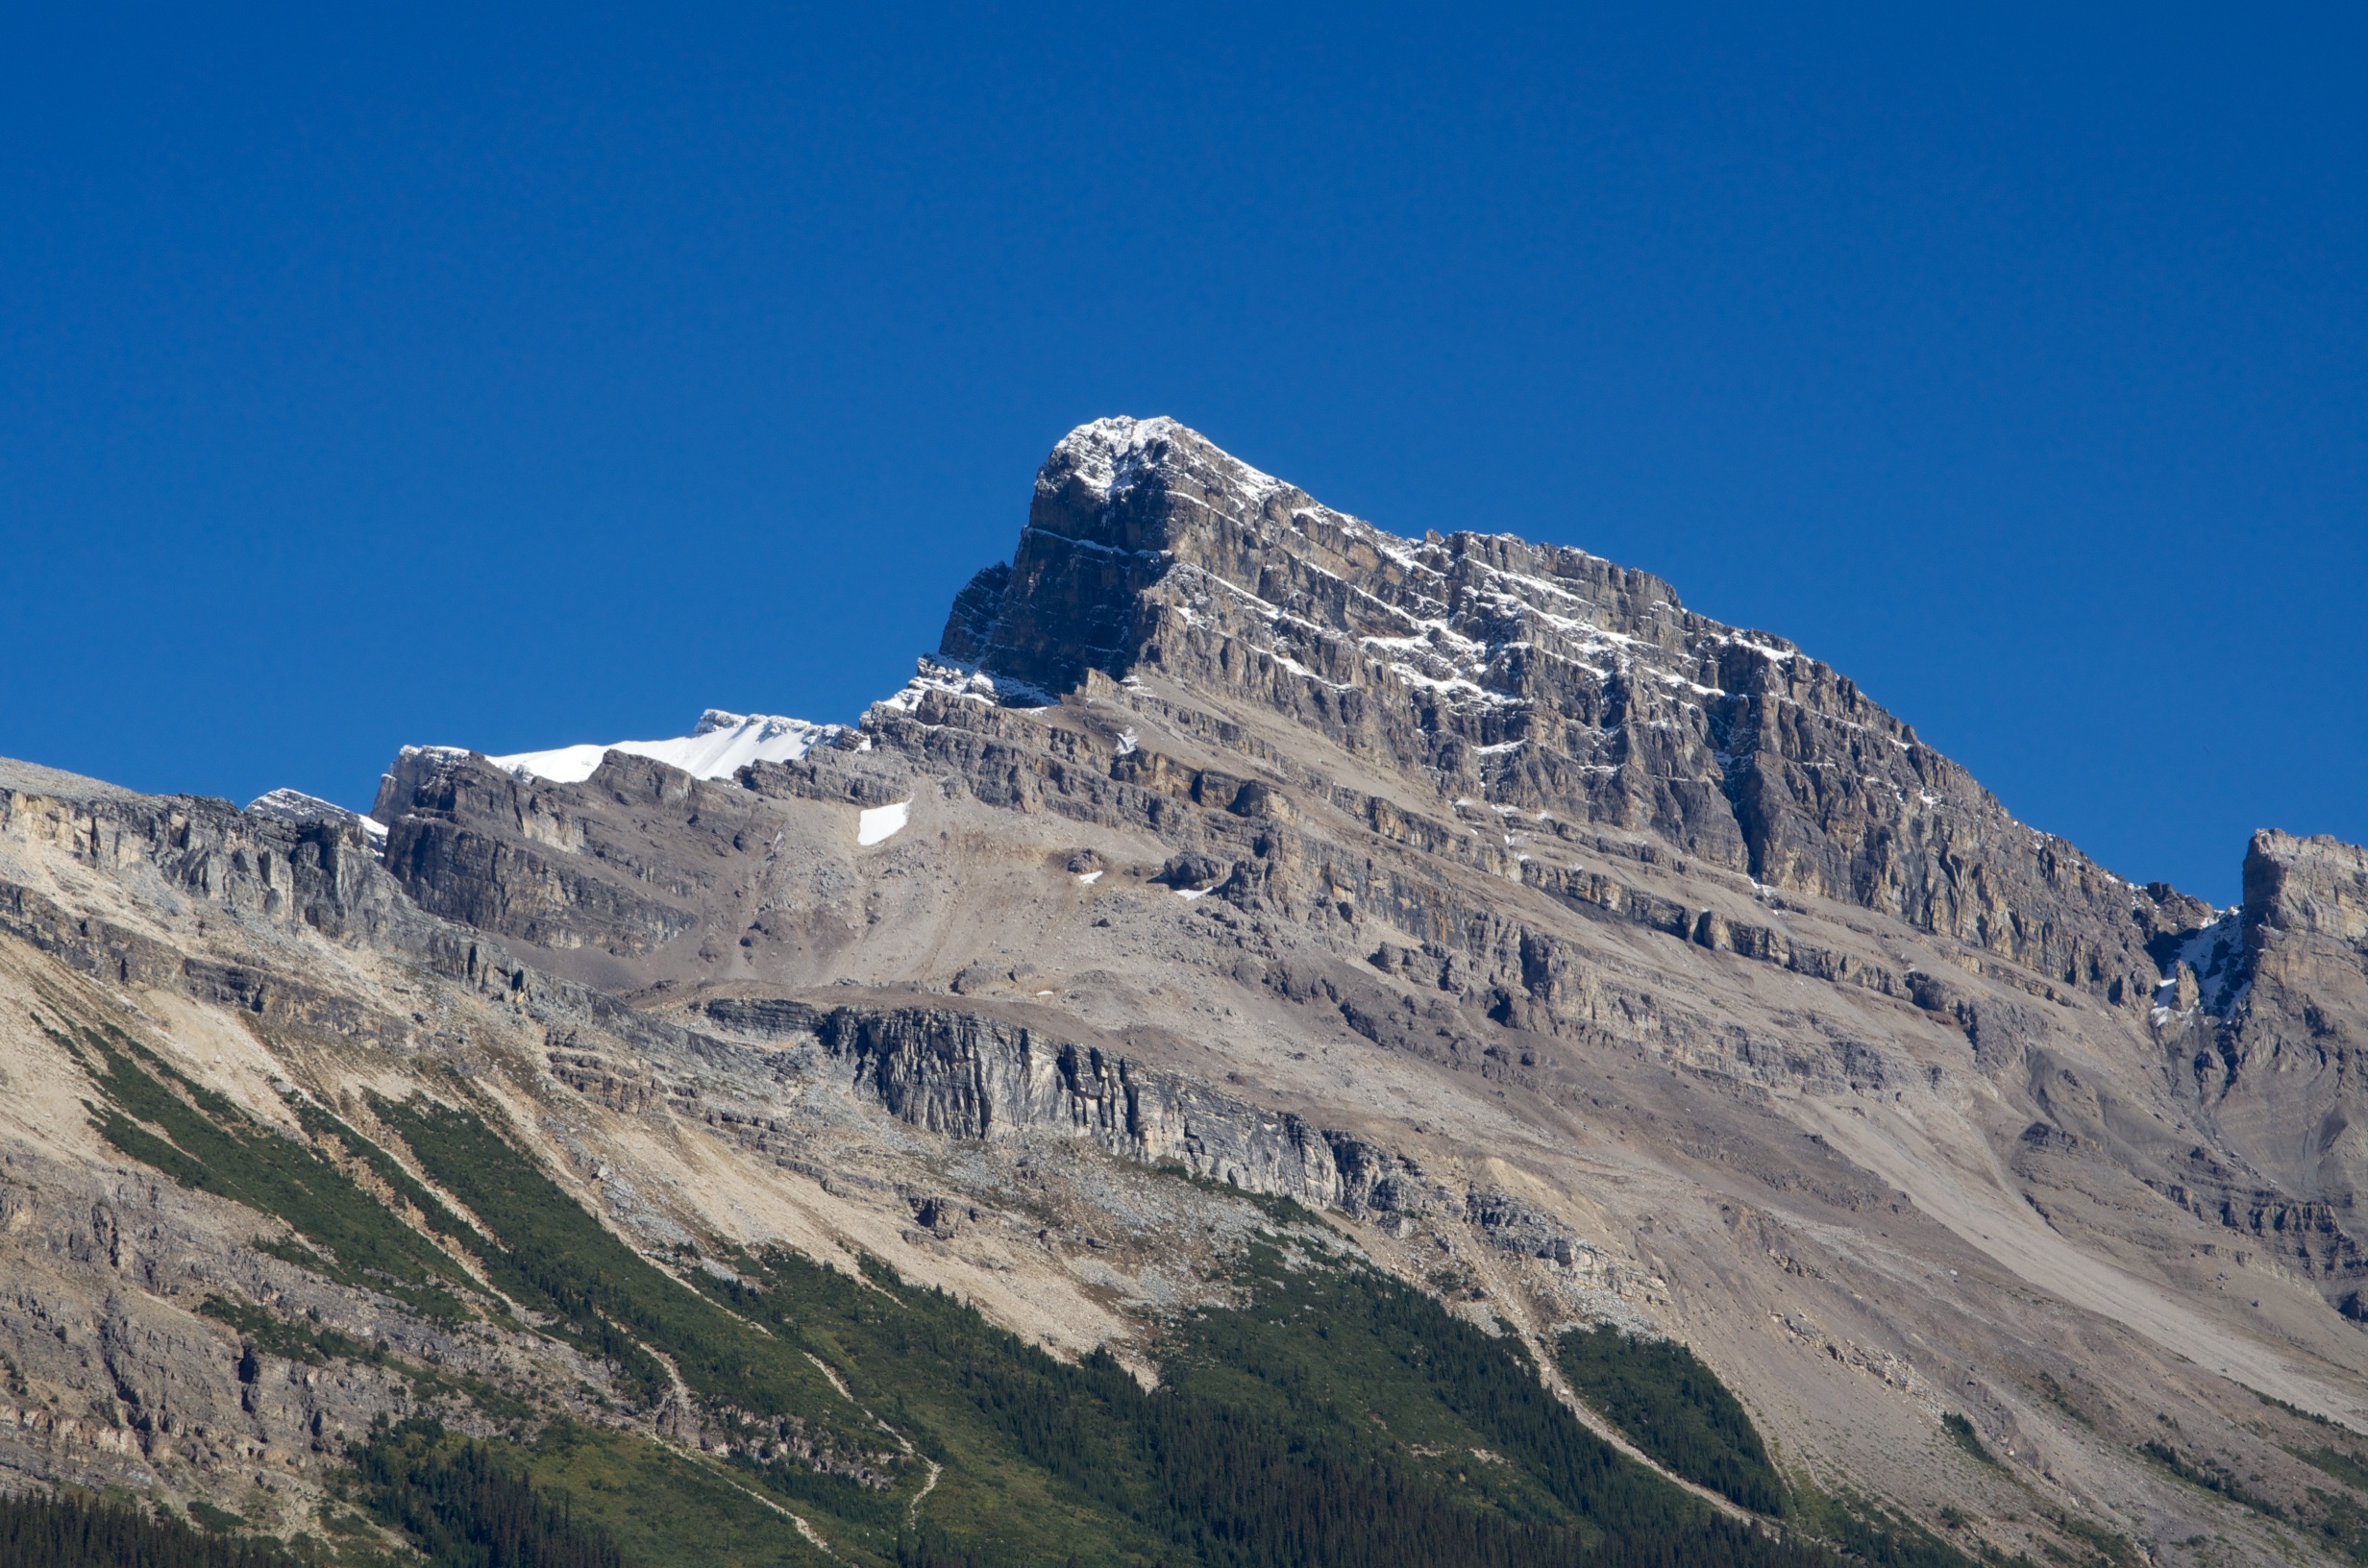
(1579, 959)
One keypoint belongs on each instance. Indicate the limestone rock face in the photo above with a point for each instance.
(2316, 887)
(1534, 677)
(2273, 1058)
(487, 847)
(280, 867)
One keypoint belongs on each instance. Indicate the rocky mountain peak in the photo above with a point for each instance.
(1106, 458)
(1532, 677)
(1121, 506)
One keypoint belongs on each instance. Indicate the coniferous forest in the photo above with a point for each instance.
(1676, 1410)
(76, 1533)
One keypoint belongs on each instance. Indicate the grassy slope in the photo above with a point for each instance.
(203, 1140)
(1332, 1414)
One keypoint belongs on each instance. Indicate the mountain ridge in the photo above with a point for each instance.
(1568, 956)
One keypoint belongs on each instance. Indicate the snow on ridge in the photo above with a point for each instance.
(1110, 453)
(964, 683)
(295, 807)
(721, 745)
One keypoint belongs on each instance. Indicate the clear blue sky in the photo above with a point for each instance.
(511, 382)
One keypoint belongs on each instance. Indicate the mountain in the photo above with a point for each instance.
(1281, 1042)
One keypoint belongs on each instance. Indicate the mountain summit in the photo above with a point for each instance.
(1282, 1041)
(1528, 677)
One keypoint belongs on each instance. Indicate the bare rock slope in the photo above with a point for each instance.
(1581, 957)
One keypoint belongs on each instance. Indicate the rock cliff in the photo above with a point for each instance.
(1530, 677)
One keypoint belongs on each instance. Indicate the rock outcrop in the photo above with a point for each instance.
(2266, 1013)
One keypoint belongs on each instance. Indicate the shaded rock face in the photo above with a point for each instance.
(1534, 677)
(968, 1076)
(624, 864)
(965, 1075)
(316, 873)
(970, 623)
(2315, 887)
(493, 850)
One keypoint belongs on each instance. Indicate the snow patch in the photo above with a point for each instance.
(720, 746)
(880, 824)
(2217, 953)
